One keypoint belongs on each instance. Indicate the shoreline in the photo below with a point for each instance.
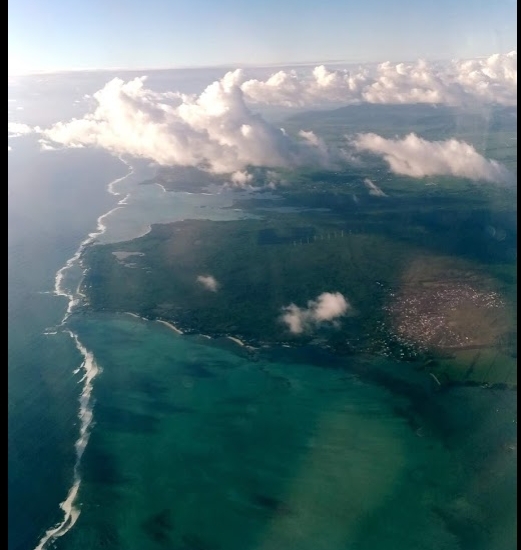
(256, 347)
(240, 343)
(75, 297)
(169, 325)
(310, 351)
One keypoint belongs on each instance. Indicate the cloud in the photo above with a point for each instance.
(489, 80)
(326, 308)
(493, 79)
(416, 157)
(16, 129)
(292, 89)
(208, 282)
(241, 178)
(215, 131)
(46, 146)
(373, 188)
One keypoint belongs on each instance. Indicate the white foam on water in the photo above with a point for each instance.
(90, 369)
(70, 511)
(59, 280)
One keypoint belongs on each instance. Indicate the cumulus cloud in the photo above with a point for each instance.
(215, 131)
(489, 80)
(373, 188)
(208, 282)
(46, 146)
(326, 308)
(292, 89)
(16, 129)
(242, 178)
(416, 157)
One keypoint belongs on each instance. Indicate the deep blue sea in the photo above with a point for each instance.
(124, 434)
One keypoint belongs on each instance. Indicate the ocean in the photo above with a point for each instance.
(125, 434)
(49, 369)
(45, 228)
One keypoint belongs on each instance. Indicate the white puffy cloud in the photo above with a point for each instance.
(490, 80)
(218, 132)
(46, 146)
(416, 157)
(327, 307)
(292, 89)
(215, 131)
(241, 178)
(16, 129)
(493, 79)
(208, 282)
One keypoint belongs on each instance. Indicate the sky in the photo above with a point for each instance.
(58, 35)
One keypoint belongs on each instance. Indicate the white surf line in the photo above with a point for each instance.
(135, 315)
(237, 341)
(240, 342)
(170, 325)
(70, 511)
(59, 289)
(85, 414)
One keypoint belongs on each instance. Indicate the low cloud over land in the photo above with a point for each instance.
(373, 188)
(416, 157)
(488, 80)
(218, 131)
(208, 282)
(215, 131)
(326, 308)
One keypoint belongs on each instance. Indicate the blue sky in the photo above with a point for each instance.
(82, 34)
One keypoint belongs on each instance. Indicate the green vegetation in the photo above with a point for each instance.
(260, 265)
(263, 265)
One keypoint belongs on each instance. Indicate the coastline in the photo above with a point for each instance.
(415, 374)
(254, 347)
(75, 298)
(170, 326)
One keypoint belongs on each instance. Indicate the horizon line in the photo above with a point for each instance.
(232, 65)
